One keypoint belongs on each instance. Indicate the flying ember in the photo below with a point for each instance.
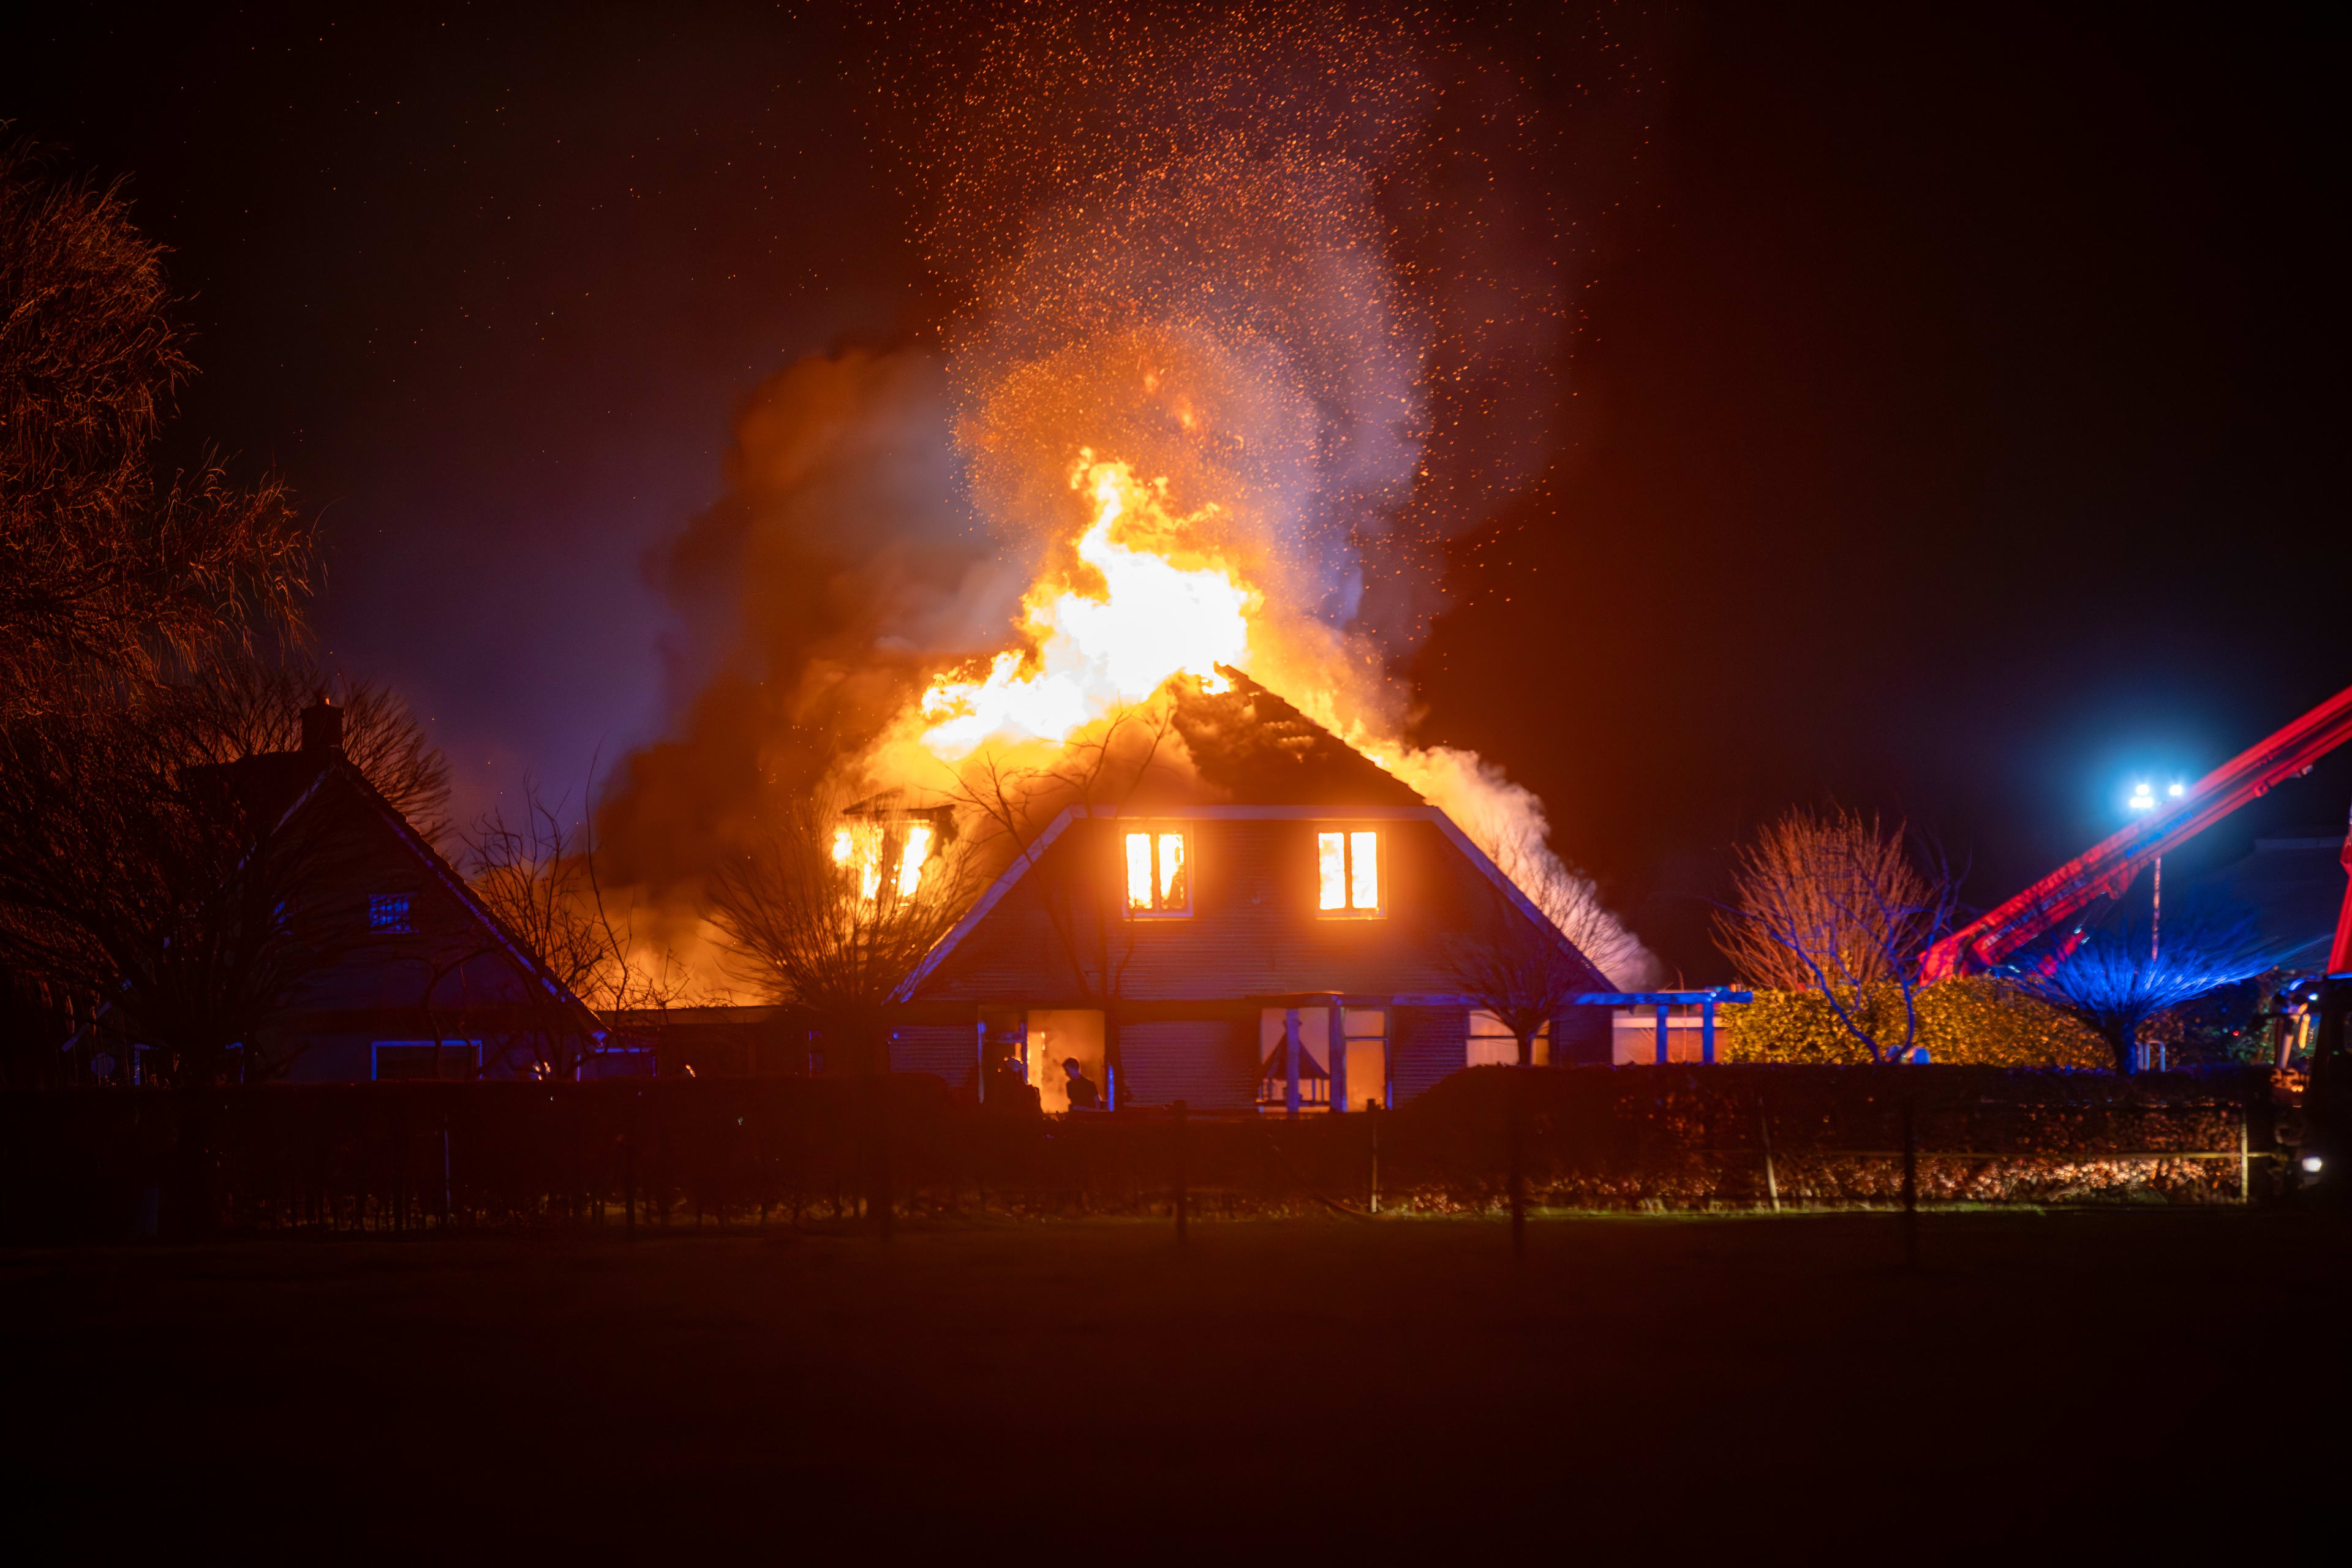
(1093, 650)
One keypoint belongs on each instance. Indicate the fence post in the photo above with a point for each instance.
(1516, 1123)
(2244, 1171)
(1180, 1194)
(1771, 1178)
(629, 1183)
(1910, 1184)
(1375, 1109)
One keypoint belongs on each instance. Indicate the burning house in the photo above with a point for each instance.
(1276, 933)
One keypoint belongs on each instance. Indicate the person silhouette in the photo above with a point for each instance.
(1084, 1094)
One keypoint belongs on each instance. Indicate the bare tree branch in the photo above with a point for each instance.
(110, 576)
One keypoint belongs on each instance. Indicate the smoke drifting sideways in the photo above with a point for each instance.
(1296, 261)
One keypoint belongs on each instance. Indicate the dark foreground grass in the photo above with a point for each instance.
(2069, 1385)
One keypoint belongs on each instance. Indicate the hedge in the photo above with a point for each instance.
(405, 1156)
(1973, 1020)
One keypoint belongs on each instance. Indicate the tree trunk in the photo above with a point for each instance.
(1528, 1048)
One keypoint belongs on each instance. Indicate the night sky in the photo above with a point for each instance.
(1956, 428)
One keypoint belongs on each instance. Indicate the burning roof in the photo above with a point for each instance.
(1250, 743)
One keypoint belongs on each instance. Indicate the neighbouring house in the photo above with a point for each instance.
(426, 981)
(1174, 946)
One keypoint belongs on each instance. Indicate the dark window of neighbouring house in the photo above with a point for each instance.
(423, 1058)
(388, 913)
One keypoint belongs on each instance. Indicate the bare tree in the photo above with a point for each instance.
(1834, 903)
(1516, 970)
(109, 575)
(243, 705)
(824, 921)
(2111, 985)
(1571, 902)
(539, 876)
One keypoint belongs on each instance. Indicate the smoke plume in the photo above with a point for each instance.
(1293, 263)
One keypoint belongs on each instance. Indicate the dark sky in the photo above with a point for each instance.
(1958, 410)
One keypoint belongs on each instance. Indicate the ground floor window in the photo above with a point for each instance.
(1492, 1042)
(1364, 1037)
(425, 1058)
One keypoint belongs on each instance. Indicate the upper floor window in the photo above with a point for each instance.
(1159, 875)
(389, 912)
(1347, 868)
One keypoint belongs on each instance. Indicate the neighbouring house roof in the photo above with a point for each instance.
(280, 786)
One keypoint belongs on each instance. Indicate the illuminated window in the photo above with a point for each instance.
(866, 847)
(1348, 873)
(1158, 876)
(911, 858)
(1491, 1042)
(388, 912)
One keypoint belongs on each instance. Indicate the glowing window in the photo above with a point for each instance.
(1348, 872)
(388, 912)
(911, 859)
(1158, 875)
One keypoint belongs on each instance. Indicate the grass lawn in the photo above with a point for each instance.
(2066, 1384)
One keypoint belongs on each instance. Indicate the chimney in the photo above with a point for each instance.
(322, 726)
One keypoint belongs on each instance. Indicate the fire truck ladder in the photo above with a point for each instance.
(2106, 869)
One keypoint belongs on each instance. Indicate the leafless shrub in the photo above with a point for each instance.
(1835, 902)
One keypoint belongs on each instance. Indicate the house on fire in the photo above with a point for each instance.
(389, 965)
(1173, 949)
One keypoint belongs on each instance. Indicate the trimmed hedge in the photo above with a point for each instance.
(397, 1157)
(1972, 1020)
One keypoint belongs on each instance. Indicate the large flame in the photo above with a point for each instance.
(1096, 650)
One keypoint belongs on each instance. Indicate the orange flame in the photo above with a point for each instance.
(1096, 651)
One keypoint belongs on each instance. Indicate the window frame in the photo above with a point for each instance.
(1346, 833)
(1158, 833)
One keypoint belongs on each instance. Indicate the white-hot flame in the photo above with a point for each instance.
(1095, 651)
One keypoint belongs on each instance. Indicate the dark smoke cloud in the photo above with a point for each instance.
(816, 593)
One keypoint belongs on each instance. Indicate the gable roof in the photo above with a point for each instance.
(1261, 749)
(278, 786)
